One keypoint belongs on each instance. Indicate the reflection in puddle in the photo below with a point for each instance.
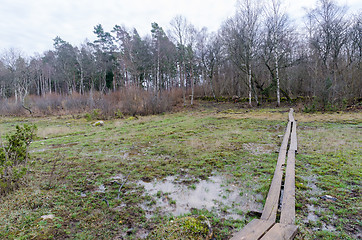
(327, 227)
(311, 215)
(206, 194)
(315, 193)
(258, 149)
(313, 189)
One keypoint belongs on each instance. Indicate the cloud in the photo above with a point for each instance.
(32, 25)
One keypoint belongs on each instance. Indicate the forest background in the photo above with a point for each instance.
(258, 55)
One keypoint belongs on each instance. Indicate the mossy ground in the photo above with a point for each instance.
(71, 159)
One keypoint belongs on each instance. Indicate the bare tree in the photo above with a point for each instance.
(179, 32)
(328, 38)
(278, 41)
(3, 83)
(19, 73)
(208, 52)
(190, 57)
(354, 58)
(241, 38)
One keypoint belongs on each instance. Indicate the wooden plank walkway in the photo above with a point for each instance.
(287, 215)
(267, 228)
(272, 200)
(255, 230)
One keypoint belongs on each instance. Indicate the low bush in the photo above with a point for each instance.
(127, 101)
(14, 157)
(8, 107)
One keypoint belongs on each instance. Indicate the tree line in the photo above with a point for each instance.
(257, 54)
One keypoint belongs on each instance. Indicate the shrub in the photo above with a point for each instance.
(46, 105)
(129, 101)
(94, 115)
(8, 107)
(14, 157)
(76, 103)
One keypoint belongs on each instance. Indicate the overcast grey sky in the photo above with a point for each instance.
(31, 25)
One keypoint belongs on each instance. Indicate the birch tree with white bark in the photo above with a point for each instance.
(278, 41)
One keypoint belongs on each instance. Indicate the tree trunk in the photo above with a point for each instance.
(192, 86)
(250, 86)
(182, 85)
(50, 84)
(158, 68)
(255, 94)
(16, 96)
(81, 88)
(277, 78)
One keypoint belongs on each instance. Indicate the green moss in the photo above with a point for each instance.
(190, 227)
(301, 186)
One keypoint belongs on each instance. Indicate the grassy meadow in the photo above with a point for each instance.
(136, 178)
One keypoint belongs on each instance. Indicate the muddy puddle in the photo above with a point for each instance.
(313, 217)
(314, 191)
(258, 149)
(311, 213)
(53, 146)
(176, 198)
(315, 194)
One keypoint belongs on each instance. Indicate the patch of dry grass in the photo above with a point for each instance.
(50, 131)
(237, 143)
(337, 117)
(258, 149)
(280, 115)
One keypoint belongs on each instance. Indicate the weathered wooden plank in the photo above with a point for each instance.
(286, 136)
(287, 215)
(293, 137)
(281, 231)
(291, 117)
(254, 230)
(272, 200)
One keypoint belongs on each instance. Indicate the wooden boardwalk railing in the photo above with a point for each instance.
(267, 228)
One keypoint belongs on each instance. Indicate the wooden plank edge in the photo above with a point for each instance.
(290, 115)
(253, 230)
(287, 215)
(293, 138)
(284, 144)
(271, 204)
(281, 231)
